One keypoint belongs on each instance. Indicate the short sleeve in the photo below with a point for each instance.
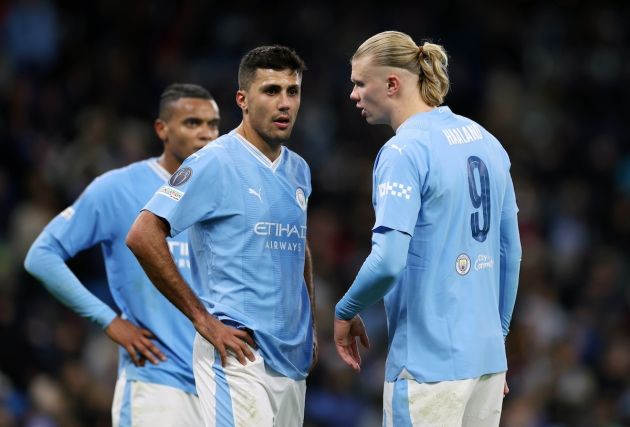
(397, 186)
(305, 172)
(193, 193)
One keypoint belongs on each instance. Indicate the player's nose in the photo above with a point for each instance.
(208, 133)
(354, 96)
(284, 102)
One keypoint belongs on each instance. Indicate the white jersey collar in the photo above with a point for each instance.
(158, 169)
(413, 119)
(254, 151)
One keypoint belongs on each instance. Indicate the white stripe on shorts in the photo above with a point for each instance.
(245, 395)
(474, 402)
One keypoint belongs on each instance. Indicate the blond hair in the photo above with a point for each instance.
(429, 61)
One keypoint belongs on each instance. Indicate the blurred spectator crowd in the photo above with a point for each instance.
(79, 88)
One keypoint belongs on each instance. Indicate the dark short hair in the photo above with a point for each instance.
(274, 57)
(176, 91)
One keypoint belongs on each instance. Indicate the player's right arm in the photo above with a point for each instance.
(378, 274)
(72, 231)
(147, 240)
(397, 189)
(174, 208)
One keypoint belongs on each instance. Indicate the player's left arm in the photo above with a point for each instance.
(509, 271)
(510, 258)
(308, 278)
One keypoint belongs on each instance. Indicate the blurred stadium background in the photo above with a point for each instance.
(79, 87)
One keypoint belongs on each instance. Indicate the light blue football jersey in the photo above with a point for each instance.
(247, 219)
(445, 181)
(103, 215)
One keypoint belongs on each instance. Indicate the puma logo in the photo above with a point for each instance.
(396, 147)
(256, 193)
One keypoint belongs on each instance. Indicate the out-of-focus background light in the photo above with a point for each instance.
(79, 88)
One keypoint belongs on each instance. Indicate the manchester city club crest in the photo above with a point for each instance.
(462, 264)
(301, 198)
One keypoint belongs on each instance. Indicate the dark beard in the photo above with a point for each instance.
(274, 142)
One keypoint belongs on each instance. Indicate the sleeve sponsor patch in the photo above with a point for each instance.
(170, 192)
(394, 189)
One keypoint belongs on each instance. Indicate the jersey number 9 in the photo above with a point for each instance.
(479, 196)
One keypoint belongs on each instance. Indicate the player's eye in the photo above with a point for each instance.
(271, 90)
(293, 91)
(192, 122)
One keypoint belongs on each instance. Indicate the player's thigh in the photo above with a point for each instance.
(157, 405)
(288, 399)
(233, 394)
(140, 404)
(486, 402)
(409, 403)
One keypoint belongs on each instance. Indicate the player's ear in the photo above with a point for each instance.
(161, 129)
(393, 84)
(241, 100)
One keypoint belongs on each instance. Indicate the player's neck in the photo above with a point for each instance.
(271, 151)
(168, 162)
(406, 109)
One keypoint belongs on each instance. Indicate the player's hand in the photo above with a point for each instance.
(225, 338)
(506, 389)
(136, 340)
(346, 334)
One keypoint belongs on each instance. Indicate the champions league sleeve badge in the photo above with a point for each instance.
(180, 177)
